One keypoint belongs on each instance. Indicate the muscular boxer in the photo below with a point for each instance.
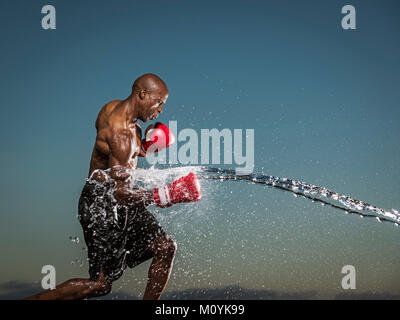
(119, 231)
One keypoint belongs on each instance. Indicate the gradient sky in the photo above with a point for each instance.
(324, 104)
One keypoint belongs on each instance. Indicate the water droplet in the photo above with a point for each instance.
(361, 216)
(76, 261)
(74, 239)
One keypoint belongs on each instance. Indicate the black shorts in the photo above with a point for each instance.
(116, 236)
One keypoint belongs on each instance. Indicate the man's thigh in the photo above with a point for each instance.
(143, 233)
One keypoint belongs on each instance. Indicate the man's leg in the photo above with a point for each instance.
(76, 289)
(164, 249)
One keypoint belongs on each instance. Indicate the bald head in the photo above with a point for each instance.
(149, 82)
(149, 94)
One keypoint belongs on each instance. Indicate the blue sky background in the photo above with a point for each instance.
(324, 104)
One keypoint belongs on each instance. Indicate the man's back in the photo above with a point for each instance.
(111, 122)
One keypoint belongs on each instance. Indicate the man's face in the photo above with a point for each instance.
(152, 104)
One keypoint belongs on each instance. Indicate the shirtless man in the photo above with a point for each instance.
(119, 231)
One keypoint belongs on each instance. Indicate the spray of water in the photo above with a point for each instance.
(309, 191)
(153, 177)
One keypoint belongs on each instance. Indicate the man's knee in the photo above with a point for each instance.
(164, 247)
(98, 288)
(171, 247)
(102, 288)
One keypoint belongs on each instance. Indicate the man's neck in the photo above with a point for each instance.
(128, 111)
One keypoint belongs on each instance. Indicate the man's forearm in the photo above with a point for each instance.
(142, 152)
(134, 196)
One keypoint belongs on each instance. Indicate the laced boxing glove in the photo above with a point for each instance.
(157, 138)
(185, 189)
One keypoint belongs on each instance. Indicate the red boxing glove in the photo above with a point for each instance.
(157, 138)
(185, 189)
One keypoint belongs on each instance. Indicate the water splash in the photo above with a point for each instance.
(78, 262)
(152, 177)
(74, 239)
(308, 191)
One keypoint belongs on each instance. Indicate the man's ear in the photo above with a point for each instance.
(142, 94)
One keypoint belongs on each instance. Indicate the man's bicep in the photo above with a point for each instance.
(120, 144)
(102, 147)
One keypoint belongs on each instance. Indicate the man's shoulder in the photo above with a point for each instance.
(109, 107)
(112, 104)
(105, 112)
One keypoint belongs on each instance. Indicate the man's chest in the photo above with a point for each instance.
(135, 139)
